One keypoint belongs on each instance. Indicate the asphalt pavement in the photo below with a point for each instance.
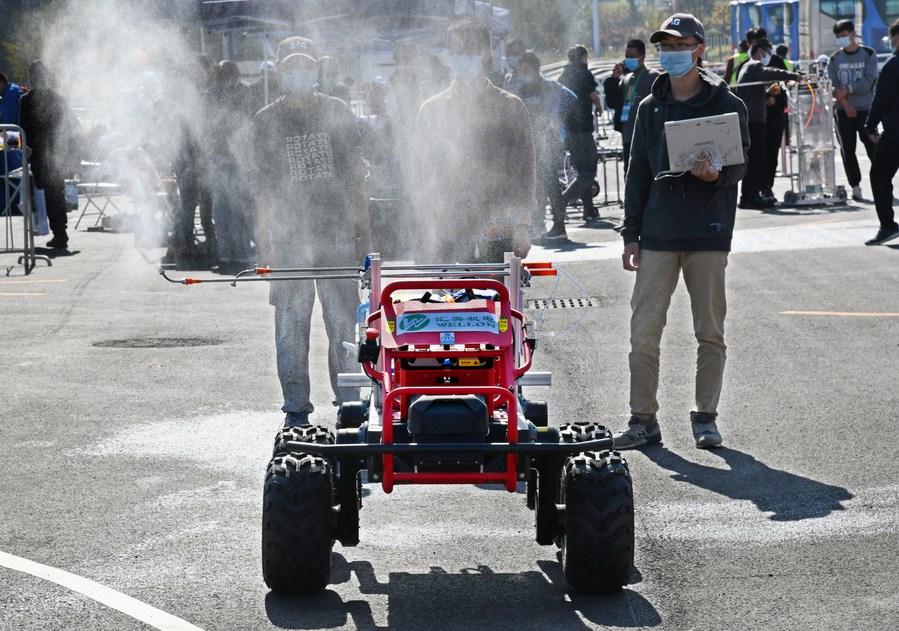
(138, 418)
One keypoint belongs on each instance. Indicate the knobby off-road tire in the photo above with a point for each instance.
(598, 543)
(582, 431)
(297, 534)
(303, 434)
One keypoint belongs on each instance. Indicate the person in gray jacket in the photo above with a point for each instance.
(853, 72)
(678, 225)
(753, 83)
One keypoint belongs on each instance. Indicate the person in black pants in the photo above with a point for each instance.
(576, 76)
(775, 123)
(42, 117)
(885, 110)
(751, 88)
(853, 72)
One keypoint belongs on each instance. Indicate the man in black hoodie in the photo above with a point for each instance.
(43, 118)
(579, 135)
(678, 225)
(885, 110)
(754, 89)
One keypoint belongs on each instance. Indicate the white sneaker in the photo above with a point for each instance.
(857, 193)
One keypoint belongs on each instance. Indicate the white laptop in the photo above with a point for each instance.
(687, 138)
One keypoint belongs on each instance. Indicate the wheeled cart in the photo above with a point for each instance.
(813, 181)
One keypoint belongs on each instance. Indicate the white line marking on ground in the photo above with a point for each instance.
(105, 595)
(820, 234)
(843, 314)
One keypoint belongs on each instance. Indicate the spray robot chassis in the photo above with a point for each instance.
(445, 408)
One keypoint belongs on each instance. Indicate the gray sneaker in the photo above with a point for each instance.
(639, 432)
(705, 430)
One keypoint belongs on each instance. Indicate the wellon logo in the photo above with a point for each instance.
(412, 323)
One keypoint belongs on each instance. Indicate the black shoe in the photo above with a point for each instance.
(58, 243)
(767, 195)
(883, 235)
(556, 233)
(755, 204)
(591, 215)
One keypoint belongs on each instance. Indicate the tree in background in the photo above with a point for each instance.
(21, 38)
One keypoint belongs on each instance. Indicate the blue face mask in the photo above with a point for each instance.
(677, 63)
(299, 82)
(892, 46)
(631, 63)
(512, 62)
(466, 67)
(843, 42)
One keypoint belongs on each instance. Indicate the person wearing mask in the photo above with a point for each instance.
(775, 120)
(755, 74)
(231, 108)
(514, 50)
(551, 107)
(329, 79)
(635, 87)
(735, 61)
(677, 226)
(885, 111)
(308, 184)
(576, 76)
(10, 95)
(474, 180)
(43, 118)
(852, 71)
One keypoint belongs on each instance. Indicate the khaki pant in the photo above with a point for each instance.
(657, 279)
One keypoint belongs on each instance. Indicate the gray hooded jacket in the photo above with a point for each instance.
(680, 213)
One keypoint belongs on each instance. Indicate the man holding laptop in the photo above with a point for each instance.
(679, 223)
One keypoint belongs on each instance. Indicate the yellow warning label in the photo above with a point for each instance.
(468, 363)
(503, 324)
(391, 325)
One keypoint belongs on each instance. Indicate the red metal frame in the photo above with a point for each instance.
(398, 385)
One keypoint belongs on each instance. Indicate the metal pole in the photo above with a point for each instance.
(596, 51)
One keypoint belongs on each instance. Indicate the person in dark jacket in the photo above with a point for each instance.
(635, 87)
(775, 124)
(475, 177)
(550, 106)
(231, 109)
(678, 225)
(885, 111)
(753, 85)
(43, 119)
(576, 76)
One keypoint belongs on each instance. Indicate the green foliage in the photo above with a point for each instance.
(23, 36)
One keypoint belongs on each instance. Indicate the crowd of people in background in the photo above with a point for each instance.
(476, 154)
(211, 176)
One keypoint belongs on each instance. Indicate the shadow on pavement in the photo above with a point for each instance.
(788, 496)
(810, 210)
(473, 598)
(54, 253)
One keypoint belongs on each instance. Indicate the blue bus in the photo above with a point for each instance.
(807, 26)
(779, 18)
